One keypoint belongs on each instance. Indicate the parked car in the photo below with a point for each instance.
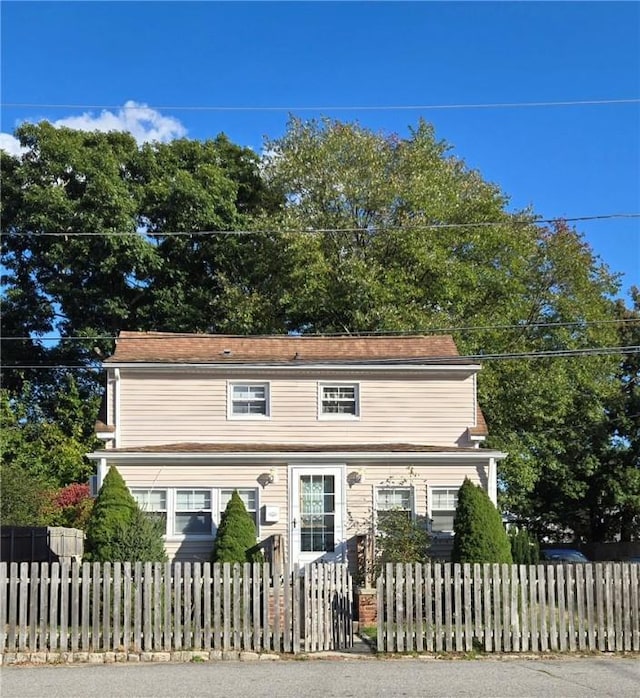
(562, 555)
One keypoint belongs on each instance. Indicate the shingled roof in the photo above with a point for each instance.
(162, 347)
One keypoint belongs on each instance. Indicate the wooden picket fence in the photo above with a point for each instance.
(151, 607)
(509, 608)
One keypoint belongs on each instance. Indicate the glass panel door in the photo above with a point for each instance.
(316, 497)
(317, 513)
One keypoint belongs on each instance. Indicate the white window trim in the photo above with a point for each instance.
(431, 489)
(412, 499)
(244, 417)
(338, 384)
(170, 533)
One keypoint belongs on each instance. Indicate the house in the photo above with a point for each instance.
(317, 434)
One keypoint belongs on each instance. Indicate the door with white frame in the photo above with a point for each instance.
(316, 520)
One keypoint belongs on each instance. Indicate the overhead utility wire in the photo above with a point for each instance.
(437, 360)
(320, 231)
(374, 333)
(389, 107)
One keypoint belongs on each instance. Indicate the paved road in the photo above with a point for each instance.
(494, 678)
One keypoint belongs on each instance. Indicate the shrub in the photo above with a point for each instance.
(524, 550)
(400, 538)
(478, 529)
(236, 534)
(118, 530)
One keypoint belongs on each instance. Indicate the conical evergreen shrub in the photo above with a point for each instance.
(524, 549)
(479, 533)
(236, 534)
(117, 530)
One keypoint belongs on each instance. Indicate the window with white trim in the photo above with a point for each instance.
(443, 504)
(394, 499)
(249, 497)
(248, 400)
(152, 502)
(193, 512)
(339, 400)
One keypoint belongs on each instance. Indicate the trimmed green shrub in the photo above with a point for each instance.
(117, 530)
(236, 534)
(479, 533)
(524, 549)
(400, 538)
(140, 540)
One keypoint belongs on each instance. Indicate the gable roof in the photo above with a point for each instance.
(165, 347)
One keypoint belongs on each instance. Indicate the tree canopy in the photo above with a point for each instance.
(337, 229)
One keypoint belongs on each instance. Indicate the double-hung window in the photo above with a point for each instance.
(444, 501)
(192, 512)
(248, 400)
(248, 496)
(393, 499)
(152, 502)
(339, 400)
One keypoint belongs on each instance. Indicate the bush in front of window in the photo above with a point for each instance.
(479, 533)
(118, 530)
(400, 538)
(236, 534)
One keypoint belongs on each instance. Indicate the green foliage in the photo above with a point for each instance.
(139, 540)
(25, 499)
(400, 538)
(235, 535)
(479, 533)
(112, 515)
(569, 425)
(524, 549)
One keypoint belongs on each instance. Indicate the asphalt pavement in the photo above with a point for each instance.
(331, 676)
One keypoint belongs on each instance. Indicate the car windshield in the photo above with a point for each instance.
(567, 555)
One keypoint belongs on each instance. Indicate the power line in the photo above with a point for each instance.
(389, 107)
(436, 360)
(373, 333)
(321, 231)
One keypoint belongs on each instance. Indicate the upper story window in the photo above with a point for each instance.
(444, 501)
(248, 400)
(339, 400)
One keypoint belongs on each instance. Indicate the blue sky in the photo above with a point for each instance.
(276, 58)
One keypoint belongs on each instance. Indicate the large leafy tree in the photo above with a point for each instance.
(414, 240)
(411, 240)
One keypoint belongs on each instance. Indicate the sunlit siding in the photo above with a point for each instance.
(163, 408)
(190, 475)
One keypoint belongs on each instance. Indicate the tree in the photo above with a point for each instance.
(479, 535)
(235, 535)
(26, 497)
(110, 520)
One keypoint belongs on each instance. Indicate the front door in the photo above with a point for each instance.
(317, 514)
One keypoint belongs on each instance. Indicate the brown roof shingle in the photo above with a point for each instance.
(163, 347)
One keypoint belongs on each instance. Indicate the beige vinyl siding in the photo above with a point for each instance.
(192, 476)
(360, 497)
(162, 408)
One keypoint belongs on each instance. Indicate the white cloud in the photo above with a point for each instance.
(11, 145)
(142, 122)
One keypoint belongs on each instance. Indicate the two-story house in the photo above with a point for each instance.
(317, 434)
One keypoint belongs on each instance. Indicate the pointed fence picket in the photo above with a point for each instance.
(182, 606)
(509, 608)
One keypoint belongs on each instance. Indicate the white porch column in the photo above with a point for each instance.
(492, 484)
